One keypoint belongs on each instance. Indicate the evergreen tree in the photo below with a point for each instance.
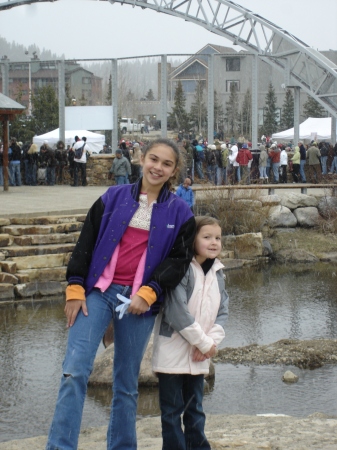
(45, 109)
(218, 112)
(198, 110)
(312, 108)
(232, 111)
(178, 118)
(68, 96)
(22, 126)
(246, 114)
(130, 96)
(287, 120)
(271, 113)
(149, 96)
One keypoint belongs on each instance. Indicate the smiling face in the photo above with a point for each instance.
(159, 165)
(207, 243)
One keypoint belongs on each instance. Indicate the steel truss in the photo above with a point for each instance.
(301, 65)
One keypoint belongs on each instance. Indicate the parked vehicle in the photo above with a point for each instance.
(128, 125)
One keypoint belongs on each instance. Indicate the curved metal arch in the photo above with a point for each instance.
(301, 65)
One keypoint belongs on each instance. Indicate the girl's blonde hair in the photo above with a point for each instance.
(202, 221)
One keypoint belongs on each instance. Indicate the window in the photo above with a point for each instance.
(86, 80)
(232, 64)
(230, 83)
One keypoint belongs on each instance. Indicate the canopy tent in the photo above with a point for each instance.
(95, 141)
(312, 128)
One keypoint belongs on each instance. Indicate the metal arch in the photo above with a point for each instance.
(301, 65)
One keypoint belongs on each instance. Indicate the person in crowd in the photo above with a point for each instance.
(188, 331)
(236, 166)
(32, 165)
(135, 162)
(275, 155)
(135, 245)
(211, 163)
(24, 158)
(284, 165)
(219, 162)
(263, 164)
(243, 157)
(80, 159)
(296, 160)
(61, 160)
(225, 163)
(47, 160)
(125, 150)
(314, 160)
(71, 162)
(303, 160)
(1, 164)
(185, 192)
(324, 151)
(188, 169)
(14, 157)
(120, 169)
(199, 157)
(334, 161)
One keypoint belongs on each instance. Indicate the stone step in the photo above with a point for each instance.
(5, 239)
(38, 289)
(50, 274)
(46, 220)
(6, 291)
(21, 230)
(41, 261)
(40, 239)
(8, 278)
(8, 267)
(31, 250)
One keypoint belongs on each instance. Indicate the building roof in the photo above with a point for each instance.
(9, 105)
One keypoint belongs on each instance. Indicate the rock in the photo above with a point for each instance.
(327, 207)
(8, 278)
(245, 246)
(33, 289)
(30, 250)
(8, 266)
(326, 257)
(102, 370)
(50, 274)
(281, 216)
(293, 200)
(289, 377)
(270, 200)
(2, 256)
(5, 239)
(4, 222)
(307, 217)
(294, 255)
(267, 249)
(6, 291)
(248, 204)
(231, 264)
(39, 261)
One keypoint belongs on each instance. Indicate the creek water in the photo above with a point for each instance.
(266, 304)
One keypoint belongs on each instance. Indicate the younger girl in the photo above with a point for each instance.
(187, 333)
(137, 242)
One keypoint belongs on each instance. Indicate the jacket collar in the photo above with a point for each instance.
(163, 196)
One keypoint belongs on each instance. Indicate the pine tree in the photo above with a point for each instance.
(312, 108)
(45, 109)
(178, 118)
(198, 110)
(218, 112)
(271, 115)
(287, 120)
(246, 114)
(232, 111)
(149, 96)
(130, 96)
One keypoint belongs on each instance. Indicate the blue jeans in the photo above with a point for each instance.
(276, 173)
(211, 173)
(122, 180)
(302, 164)
(324, 160)
(219, 172)
(182, 394)
(50, 176)
(263, 172)
(198, 166)
(131, 336)
(1, 176)
(15, 174)
(334, 165)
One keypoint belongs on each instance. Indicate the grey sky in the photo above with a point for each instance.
(91, 29)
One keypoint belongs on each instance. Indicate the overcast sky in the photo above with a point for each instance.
(91, 29)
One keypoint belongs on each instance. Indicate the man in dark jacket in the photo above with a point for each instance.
(14, 156)
(303, 159)
(243, 158)
(47, 160)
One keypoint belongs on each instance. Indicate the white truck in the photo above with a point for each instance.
(128, 125)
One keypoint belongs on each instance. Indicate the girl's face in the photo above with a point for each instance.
(207, 243)
(159, 165)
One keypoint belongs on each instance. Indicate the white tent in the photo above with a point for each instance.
(95, 141)
(312, 128)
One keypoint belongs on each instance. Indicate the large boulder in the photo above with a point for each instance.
(293, 200)
(327, 207)
(295, 255)
(102, 371)
(281, 216)
(307, 217)
(245, 246)
(270, 200)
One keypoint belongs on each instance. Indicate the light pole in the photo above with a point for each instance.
(35, 57)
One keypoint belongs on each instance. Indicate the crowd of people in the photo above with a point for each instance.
(236, 162)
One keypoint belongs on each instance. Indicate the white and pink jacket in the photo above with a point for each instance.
(193, 316)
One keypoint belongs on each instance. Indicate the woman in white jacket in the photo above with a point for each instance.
(188, 331)
(232, 159)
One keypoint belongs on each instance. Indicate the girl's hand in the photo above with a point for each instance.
(211, 352)
(138, 305)
(198, 356)
(72, 308)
